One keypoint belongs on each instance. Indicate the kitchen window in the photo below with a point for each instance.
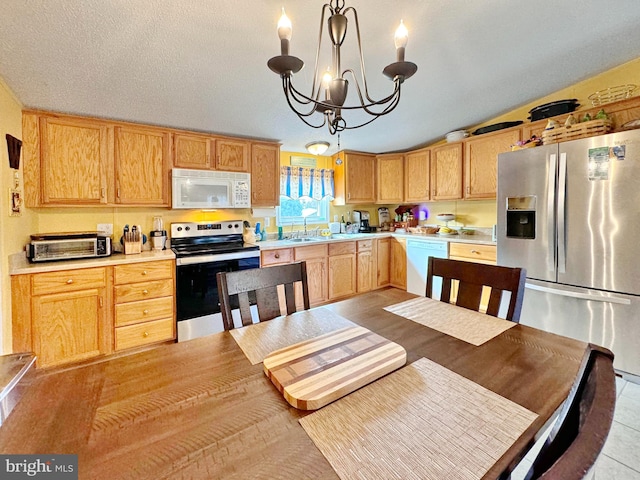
(304, 193)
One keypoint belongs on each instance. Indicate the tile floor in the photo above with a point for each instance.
(620, 457)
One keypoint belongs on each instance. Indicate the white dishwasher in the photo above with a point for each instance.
(418, 252)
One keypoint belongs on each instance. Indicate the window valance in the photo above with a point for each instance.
(316, 183)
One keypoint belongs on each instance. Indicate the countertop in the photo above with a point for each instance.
(346, 237)
(19, 264)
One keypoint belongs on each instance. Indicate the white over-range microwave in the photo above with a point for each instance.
(206, 189)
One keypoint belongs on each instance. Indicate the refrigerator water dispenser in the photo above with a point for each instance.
(521, 217)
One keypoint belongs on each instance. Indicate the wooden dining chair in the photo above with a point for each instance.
(261, 284)
(577, 437)
(471, 279)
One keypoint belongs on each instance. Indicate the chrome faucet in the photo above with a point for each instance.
(304, 222)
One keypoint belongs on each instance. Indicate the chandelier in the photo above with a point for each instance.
(329, 93)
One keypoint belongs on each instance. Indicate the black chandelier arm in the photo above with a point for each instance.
(362, 67)
(384, 101)
(291, 93)
(314, 92)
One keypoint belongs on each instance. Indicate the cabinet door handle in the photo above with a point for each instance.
(101, 302)
(145, 312)
(70, 281)
(475, 251)
(118, 192)
(468, 189)
(144, 272)
(145, 292)
(145, 334)
(277, 255)
(103, 192)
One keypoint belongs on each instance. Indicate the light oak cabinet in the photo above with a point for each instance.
(399, 262)
(354, 178)
(144, 303)
(366, 266)
(417, 176)
(342, 269)
(265, 174)
(383, 262)
(232, 155)
(390, 178)
(192, 151)
(64, 316)
(481, 162)
(446, 172)
(317, 271)
(473, 252)
(141, 166)
(74, 161)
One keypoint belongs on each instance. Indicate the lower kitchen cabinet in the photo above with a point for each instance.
(366, 266)
(317, 272)
(144, 303)
(383, 261)
(399, 262)
(63, 316)
(342, 269)
(473, 252)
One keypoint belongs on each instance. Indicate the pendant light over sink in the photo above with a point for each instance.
(329, 90)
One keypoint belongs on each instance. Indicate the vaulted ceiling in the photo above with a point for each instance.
(201, 64)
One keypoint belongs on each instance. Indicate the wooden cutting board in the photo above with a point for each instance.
(316, 372)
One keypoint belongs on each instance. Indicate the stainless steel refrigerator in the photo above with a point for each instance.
(570, 214)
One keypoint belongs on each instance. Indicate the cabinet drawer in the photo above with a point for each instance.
(364, 245)
(312, 251)
(144, 333)
(143, 290)
(68, 280)
(340, 248)
(144, 310)
(142, 272)
(274, 257)
(473, 251)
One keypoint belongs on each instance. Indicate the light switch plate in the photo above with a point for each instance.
(106, 228)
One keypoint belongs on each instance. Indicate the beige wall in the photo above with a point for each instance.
(13, 229)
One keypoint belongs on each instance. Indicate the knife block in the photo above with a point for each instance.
(131, 247)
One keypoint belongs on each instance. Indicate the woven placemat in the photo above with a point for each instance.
(421, 422)
(260, 339)
(464, 324)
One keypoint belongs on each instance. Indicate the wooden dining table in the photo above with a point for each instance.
(200, 409)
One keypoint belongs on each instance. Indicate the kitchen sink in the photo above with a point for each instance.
(306, 239)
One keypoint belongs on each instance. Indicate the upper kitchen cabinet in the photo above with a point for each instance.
(446, 172)
(192, 151)
(481, 160)
(416, 176)
(141, 166)
(390, 178)
(66, 161)
(232, 154)
(354, 177)
(265, 174)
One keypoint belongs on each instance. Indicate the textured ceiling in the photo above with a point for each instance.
(201, 64)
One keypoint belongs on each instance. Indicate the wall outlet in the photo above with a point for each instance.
(106, 228)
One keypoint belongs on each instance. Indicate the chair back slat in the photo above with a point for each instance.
(261, 284)
(472, 277)
(244, 307)
(268, 304)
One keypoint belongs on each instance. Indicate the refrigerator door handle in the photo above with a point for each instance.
(582, 296)
(551, 191)
(562, 215)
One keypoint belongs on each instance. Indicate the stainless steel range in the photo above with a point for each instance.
(202, 250)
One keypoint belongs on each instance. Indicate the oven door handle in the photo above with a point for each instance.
(218, 257)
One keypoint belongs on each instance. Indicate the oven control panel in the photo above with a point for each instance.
(206, 229)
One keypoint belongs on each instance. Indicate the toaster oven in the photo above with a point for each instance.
(46, 247)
